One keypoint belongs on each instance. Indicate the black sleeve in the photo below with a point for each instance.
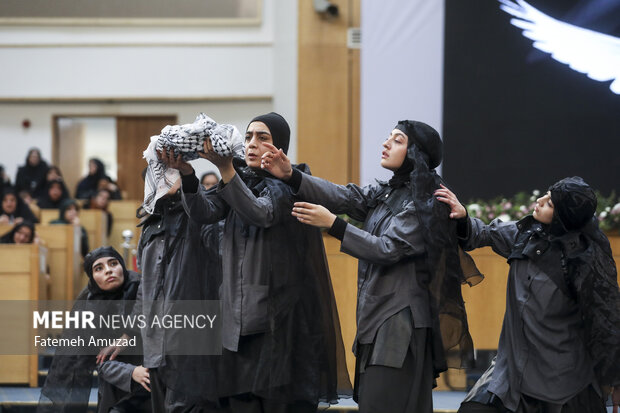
(295, 181)
(338, 228)
(190, 183)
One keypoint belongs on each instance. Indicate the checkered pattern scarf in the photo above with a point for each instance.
(188, 141)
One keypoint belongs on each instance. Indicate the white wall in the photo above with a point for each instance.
(230, 73)
(401, 72)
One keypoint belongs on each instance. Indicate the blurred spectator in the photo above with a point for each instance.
(25, 196)
(101, 200)
(13, 210)
(22, 233)
(89, 185)
(55, 193)
(69, 213)
(32, 175)
(5, 181)
(209, 179)
(106, 183)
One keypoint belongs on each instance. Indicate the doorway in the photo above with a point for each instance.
(118, 141)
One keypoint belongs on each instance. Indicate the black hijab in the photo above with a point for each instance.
(8, 238)
(22, 210)
(278, 126)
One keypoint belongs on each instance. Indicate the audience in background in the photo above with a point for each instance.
(55, 193)
(13, 210)
(22, 233)
(69, 213)
(101, 200)
(89, 185)
(209, 179)
(32, 175)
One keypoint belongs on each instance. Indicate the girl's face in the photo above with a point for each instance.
(52, 174)
(70, 213)
(55, 192)
(257, 134)
(102, 199)
(92, 168)
(9, 203)
(108, 273)
(394, 150)
(34, 158)
(23, 235)
(543, 212)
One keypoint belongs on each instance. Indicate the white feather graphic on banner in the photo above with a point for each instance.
(595, 54)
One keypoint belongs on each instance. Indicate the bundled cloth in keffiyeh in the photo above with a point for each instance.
(186, 140)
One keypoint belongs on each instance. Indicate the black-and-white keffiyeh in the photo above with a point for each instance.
(187, 140)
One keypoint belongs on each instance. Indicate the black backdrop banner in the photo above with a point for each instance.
(515, 119)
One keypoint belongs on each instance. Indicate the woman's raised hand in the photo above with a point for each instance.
(457, 210)
(313, 214)
(276, 162)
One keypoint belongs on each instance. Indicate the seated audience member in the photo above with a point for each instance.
(69, 213)
(22, 233)
(209, 179)
(89, 185)
(110, 186)
(31, 176)
(101, 200)
(13, 210)
(55, 194)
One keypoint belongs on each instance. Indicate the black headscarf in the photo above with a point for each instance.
(448, 267)
(95, 292)
(574, 204)
(590, 272)
(89, 184)
(22, 210)
(8, 238)
(46, 202)
(32, 178)
(278, 126)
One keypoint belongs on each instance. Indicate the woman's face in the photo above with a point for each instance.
(55, 192)
(9, 203)
(394, 150)
(52, 174)
(102, 199)
(257, 134)
(92, 167)
(543, 211)
(108, 273)
(34, 158)
(70, 213)
(23, 235)
(209, 181)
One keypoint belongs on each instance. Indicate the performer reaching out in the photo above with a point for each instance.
(559, 349)
(409, 270)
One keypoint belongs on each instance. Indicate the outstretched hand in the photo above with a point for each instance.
(457, 210)
(313, 214)
(276, 162)
(171, 160)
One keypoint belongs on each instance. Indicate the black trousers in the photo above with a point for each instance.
(249, 403)
(407, 389)
(165, 400)
(587, 401)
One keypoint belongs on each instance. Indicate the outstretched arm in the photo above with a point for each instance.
(473, 233)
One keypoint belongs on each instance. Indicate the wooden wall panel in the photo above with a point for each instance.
(328, 84)
(133, 134)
